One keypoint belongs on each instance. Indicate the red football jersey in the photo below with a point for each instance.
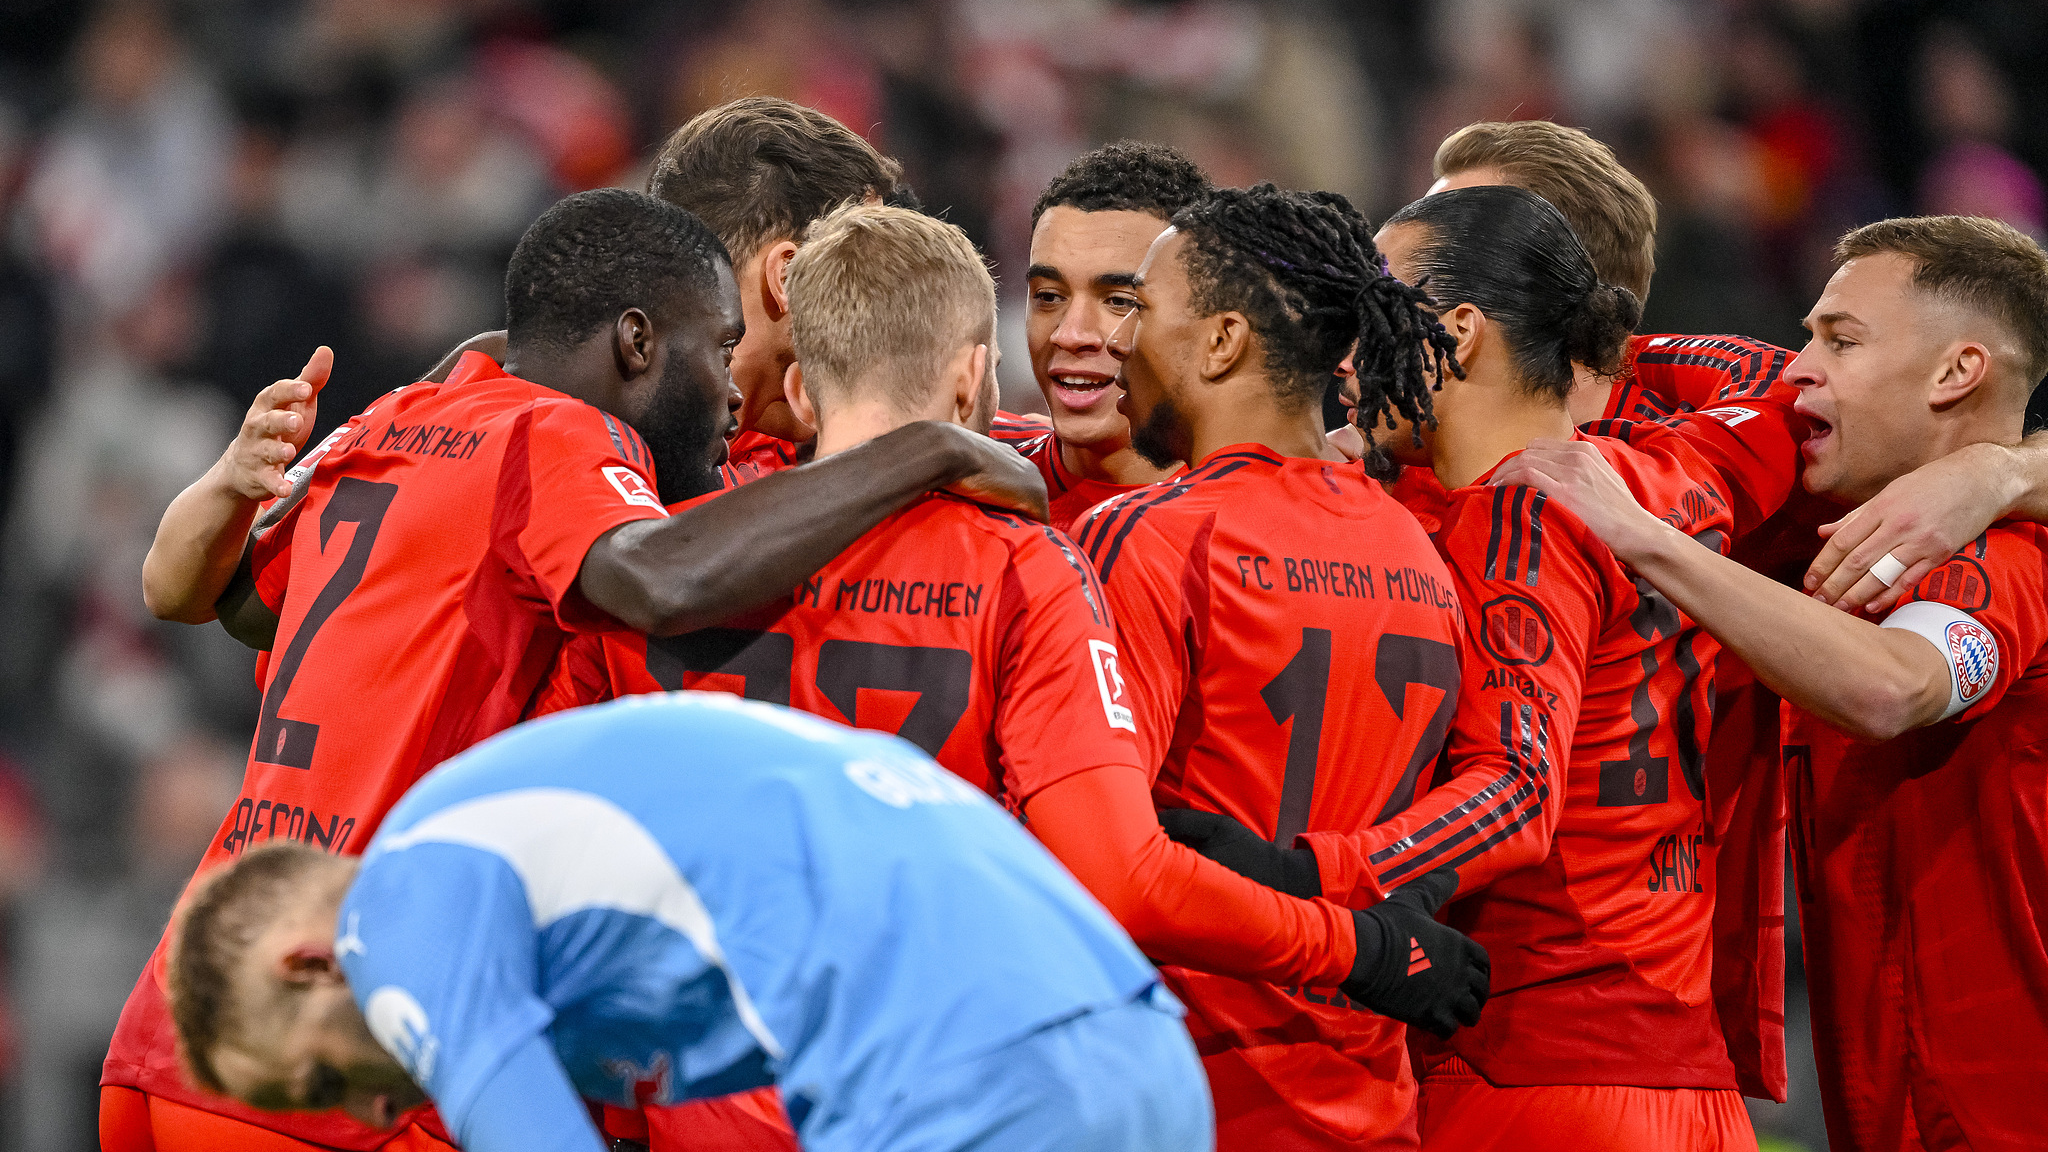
(978, 636)
(1923, 879)
(1673, 375)
(1291, 641)
(752, 455)
(1070, 496)
(1576, 819)
(422, 592)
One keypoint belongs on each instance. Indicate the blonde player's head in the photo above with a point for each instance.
(894, 321)
(261, 1007)
(1614, 215)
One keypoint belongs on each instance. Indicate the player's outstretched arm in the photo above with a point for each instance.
(755, 543)
(1923, 517)
(1186, 910)
(1870, 682)
(529, 1104)
(200, 539)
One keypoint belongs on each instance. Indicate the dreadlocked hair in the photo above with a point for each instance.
(1302, 267)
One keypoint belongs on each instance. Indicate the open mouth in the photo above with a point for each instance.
(1078, 390)
(1820, 434)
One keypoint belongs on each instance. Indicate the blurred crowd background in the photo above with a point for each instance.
(194, 194)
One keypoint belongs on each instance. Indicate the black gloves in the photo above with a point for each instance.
(1409, 967)
(1243, 851)
(1414, 969)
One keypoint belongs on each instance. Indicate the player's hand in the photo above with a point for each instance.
(275, 430)
(1348, 441)
(1576, 475)
(1920, 519)
(1243, 851)
(996, 474)
(1412, 968)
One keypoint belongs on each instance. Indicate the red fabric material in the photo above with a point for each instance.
(1461, 1111)
(1250, 593)
(1580, 744)
(1745, 785)
(752, 455)
(135, 1121)
(1923, 875)
(424, 595)
(1070, 496)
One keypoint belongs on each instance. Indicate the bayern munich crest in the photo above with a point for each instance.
(1974, 655)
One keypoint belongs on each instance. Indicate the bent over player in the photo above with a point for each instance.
(442, 545)
(1913, 749)
(678, 896)
(1291, 636)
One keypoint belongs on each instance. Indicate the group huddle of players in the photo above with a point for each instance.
(1436, 761)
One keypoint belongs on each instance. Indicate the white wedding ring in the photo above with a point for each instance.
(1888, 569)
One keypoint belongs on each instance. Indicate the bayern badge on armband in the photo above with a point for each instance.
(1973, 654)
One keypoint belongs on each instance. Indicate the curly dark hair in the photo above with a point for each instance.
(1302, 267)
(594, 255)
(1127, 176)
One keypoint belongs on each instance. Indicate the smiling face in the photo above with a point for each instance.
(1157, 345)
(1864, 376)
(1083, 265)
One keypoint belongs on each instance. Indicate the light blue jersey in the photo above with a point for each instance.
(690, 895)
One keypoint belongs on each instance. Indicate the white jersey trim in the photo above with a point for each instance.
(574, 851)
(1968, 648)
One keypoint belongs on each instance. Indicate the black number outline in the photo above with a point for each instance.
(290, 743)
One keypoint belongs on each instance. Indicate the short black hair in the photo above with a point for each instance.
(1127, 176)
(594, 255)
(1302, 267)
(1511, 254)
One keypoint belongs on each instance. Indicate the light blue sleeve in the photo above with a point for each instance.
(528, 1105)
(438, 944)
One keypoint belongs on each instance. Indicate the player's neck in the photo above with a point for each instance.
(1110, 463)
(1245, 410)
(1590, 394)
(855, 424)
(1488, 427)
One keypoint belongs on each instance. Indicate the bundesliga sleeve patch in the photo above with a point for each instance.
(632, 489)
(1969, 648)
(1110, 682)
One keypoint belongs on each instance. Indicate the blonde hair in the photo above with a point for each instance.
(880, 298)
(1613, 214)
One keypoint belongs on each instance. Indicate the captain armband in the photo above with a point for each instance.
(1969, 648)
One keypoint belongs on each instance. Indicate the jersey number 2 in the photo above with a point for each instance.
(360, 502)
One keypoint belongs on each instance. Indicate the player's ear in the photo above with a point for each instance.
(1468, 326)
(1225, 344)
(775, 278)
(1960, 372)
(799, 398)
(633, 344)
(966, 378)
(310, 965)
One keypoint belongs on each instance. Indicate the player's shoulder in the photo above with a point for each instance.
(1968, 579)
(1695, 371)
(1156, 520)
(1515, 533)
